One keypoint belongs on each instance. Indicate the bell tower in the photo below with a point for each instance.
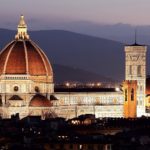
(135, 69)
(130, 98)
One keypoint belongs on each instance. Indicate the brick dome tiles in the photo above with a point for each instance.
(24, 57)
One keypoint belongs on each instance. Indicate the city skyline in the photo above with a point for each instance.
(27, 76)
(68, 80)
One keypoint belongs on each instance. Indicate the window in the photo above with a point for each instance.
(37, 89)
(16, 88)
(126, 95)
(139, 70)
(130, 69)
(132, 94)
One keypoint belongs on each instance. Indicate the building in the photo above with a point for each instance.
(26, 76)
(135, 69)
(27, 86)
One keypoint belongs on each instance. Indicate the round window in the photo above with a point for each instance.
(16, 88)
(37, 89)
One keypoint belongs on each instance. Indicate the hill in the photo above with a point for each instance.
(97, 55)
(65, 73)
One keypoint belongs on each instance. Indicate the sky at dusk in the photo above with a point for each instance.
(54, 12)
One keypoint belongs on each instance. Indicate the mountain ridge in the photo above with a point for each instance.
(68, 74)
(97, 55)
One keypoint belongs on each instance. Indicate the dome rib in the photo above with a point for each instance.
(7, 57)
(9, 44)
(26, 57)
(47, 60)
(36, 64)
(35, 46)
(16, 63)
(3, 55)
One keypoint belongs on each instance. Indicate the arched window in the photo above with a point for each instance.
(130, 69)
(139, 70)
(132, 94)
(37, 89)
(126, 96)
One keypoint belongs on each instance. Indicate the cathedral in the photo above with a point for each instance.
(27, 86)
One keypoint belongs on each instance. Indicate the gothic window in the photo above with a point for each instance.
(132, 94)
(130, 69)
(126, 95)
(139, 70)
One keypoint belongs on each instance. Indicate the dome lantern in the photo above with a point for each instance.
(22, 30)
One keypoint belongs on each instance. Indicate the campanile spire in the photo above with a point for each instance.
(22, 30)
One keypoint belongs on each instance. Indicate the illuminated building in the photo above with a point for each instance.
(135, 64)
(27, 88)
(26, 76)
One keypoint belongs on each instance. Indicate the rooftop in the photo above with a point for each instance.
(85, 90)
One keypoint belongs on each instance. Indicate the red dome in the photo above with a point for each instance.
(24, 57)
(40, 101)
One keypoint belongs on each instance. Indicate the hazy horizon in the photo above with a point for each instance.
(115, 19)
(45, 14)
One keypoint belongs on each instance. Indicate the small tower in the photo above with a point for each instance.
(135, 69)
(130, 98)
